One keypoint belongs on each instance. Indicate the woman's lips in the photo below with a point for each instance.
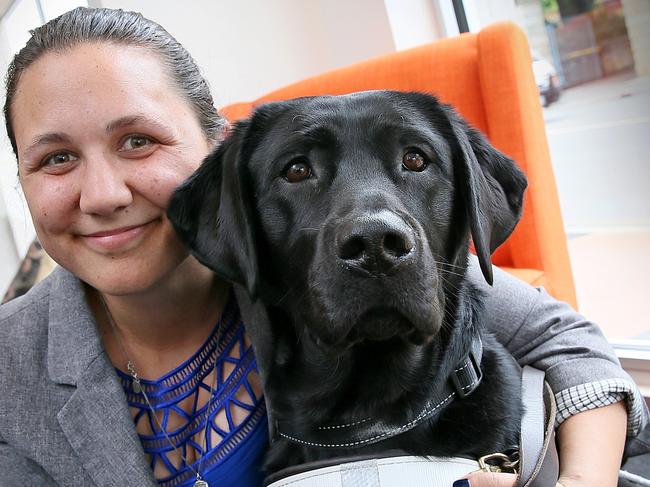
(118, 239)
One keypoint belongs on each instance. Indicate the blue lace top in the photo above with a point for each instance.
(236, 428)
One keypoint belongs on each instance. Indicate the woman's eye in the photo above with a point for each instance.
(58, 159)
(297, 170)
(135, 142)
(414, 161)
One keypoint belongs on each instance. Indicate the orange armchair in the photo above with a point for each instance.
(488, 78)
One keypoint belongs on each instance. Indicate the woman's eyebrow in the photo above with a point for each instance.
(131, 120)
(45, 139)
(120, 123)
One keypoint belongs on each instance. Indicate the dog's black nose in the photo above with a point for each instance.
(376, 242)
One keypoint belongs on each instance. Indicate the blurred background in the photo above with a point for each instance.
(591, 60)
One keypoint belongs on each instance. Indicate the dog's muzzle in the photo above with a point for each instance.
(372, 280)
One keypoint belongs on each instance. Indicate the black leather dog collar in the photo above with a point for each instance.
(463, 380)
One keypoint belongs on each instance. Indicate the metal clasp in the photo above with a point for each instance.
(498, 463)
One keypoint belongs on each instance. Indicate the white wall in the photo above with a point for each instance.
(16, 230)
(414, 22)
(248, 47)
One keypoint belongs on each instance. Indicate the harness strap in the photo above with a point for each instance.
(538, 459)
(383, 472)
(539, 465)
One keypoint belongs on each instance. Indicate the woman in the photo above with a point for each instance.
(130, 362)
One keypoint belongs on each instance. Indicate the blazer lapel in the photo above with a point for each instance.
(99, 427)
(96, 419)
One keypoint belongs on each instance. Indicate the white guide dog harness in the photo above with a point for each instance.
(537, 464)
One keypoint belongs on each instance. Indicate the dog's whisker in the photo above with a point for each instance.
(309, 288)
(452, 286)
(446, 264)
(441, 261)
(279, 301)
(449, 283)
(301, 296)
(445, 278)
(446, 271)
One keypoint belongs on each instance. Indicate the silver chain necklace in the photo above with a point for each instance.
(138, 389)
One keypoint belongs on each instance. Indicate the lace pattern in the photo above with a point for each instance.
(181, 399)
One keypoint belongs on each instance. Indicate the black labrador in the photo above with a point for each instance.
(349, 218)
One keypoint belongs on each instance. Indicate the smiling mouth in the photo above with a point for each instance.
(116, 231)
(117, 239)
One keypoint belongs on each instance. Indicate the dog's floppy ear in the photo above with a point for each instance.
(492, 186)
(212, 213)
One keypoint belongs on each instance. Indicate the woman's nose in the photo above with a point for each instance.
(103, 188)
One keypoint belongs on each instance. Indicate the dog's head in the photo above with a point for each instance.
(352, 213)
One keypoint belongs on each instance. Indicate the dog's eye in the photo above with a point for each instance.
(414, 161)
(297, 170)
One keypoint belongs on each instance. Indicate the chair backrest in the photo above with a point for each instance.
(488, 78)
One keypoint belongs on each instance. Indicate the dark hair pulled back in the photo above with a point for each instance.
(88, 25)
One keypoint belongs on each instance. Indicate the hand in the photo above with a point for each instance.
(488, 479)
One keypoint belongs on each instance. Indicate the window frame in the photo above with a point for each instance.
(634, 356)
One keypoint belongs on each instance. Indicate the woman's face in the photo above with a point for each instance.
(103, 139)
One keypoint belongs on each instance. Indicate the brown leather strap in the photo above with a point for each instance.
(539, 464)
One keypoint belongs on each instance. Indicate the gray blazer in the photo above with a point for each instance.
(64, 419)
